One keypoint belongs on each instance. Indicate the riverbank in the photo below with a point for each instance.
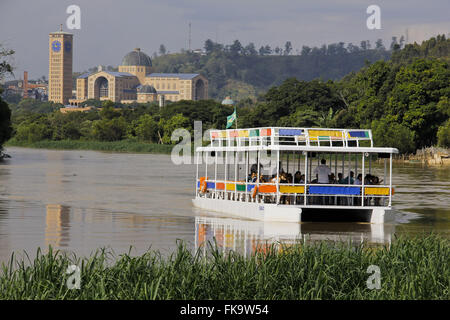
(433, 156)
(111, 146)
(410, 268)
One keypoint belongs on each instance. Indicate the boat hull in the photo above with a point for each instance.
(291, 213)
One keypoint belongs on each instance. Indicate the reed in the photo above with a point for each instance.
(411, 268)
(110, 146)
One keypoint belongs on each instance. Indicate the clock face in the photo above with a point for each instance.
(67, 46)
(56, 46)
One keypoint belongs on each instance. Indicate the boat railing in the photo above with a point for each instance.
(289, 136)
(304, 194)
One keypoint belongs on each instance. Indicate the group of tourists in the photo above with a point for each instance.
(323, 175)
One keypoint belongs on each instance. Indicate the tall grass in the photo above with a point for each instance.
(411, 268)
(112, 146)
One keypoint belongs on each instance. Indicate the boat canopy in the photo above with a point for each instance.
(294, 139)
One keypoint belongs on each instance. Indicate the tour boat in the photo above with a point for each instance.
(250, 173)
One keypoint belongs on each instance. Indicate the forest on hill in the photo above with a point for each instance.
(244, 72)
(405, 101)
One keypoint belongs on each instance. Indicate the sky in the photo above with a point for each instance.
(111, 28)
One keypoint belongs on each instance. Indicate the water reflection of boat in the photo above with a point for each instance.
(249, 236)
(57, 225)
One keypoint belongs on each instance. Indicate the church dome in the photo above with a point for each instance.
(146, 89)
(136, 58)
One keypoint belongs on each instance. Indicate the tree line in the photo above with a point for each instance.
(405, 101)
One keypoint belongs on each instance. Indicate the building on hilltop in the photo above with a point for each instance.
(134, 82)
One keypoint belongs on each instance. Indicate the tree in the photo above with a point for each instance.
(379, 44)
(389, 133)
(147, 128)
(178, 121)
(5, 122)
(363, 45)
(162, 50)
(5, 112)
(288, 48)
(250, 49)
(236, 48)
(305, 50)
(443, 135)
(109, 130)
(278, 50)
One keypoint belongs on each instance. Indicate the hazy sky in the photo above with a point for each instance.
(110, 29)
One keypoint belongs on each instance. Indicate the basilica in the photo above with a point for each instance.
(135, 82)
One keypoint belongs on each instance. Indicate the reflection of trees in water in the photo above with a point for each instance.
(57, 225)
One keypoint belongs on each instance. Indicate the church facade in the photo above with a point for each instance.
(135, 82)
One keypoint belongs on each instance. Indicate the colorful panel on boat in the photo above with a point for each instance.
(243, 133)
(292, 189)
(222, 134)
(250, 187)
(358, 134)
(233, 133)
(240, 187)
(267, 189)
(231, 187)
(254, 133)
(209, 185)
(290, 132)
(220, 186)
(325, 133)
(379, 191)
(332, 190)
(266, 132)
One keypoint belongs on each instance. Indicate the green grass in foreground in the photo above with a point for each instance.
(113, 146)
(415, 268)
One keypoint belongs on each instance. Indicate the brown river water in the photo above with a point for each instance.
(80, 201)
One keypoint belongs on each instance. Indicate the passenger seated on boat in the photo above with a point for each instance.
(297, 177)
(302, 179)
(332, 178)
(283, 179)
(289, 177)
(322, 172)
(254, 168)
(340, 178)
(253, 177)
(346, 180)
(358, 180)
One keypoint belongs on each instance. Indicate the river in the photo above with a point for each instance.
(83, 200)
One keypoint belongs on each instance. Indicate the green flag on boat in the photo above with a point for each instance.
(231, 119)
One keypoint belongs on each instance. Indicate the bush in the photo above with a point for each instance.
(443, 135)
(32, 132)
(392, 134)
(5, 122)
(109, 130)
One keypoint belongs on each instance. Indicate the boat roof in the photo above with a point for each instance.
(293, 139)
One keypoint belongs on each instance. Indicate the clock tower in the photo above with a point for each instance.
(60, 66)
